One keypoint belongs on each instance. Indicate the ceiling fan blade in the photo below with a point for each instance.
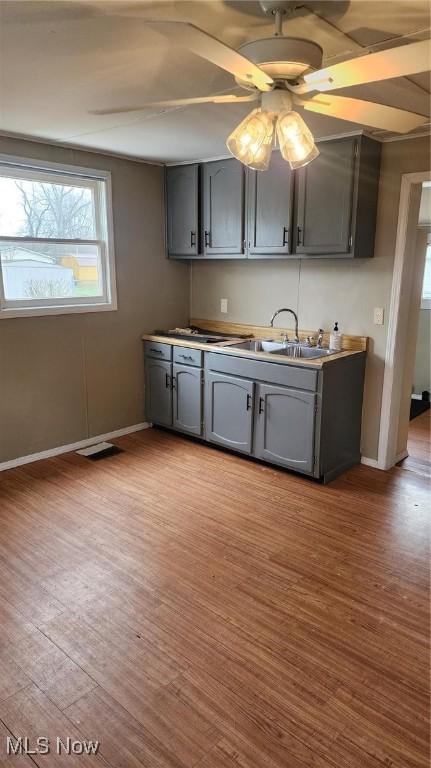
(228, 98)
(208, 47)
(384, 65)
(364, 112)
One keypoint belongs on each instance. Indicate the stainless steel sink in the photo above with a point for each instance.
(281, 348)
(259, 345)
(307, 353)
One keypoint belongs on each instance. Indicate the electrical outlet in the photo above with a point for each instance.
(379, 314)
(223, 305)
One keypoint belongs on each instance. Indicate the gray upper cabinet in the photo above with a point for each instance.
(326, 209)
(182, 204)
(269, 205)
(325, 199)
(187, 397)
(158, 392)
(223, 208)
(337, 199)
(229, 411)
(284, 432)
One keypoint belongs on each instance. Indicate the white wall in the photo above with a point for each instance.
(322, 291)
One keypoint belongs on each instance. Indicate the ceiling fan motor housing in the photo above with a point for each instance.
(283, 58)
(283, 6)
(278, 100)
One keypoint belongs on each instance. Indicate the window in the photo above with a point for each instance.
(56, 245)
(426, 285)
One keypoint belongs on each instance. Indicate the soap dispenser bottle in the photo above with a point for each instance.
(335, 339)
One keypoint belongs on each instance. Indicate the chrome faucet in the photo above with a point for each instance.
(285, 309)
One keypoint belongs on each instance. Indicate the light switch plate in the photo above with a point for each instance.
(379, 315)
(223, 305)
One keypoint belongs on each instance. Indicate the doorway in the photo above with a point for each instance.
(418, 429)
(407, 294)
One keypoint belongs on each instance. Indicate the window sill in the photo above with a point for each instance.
(57, 310)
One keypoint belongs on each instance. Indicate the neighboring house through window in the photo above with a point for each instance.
(56, 242)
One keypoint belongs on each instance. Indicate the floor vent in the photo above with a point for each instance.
(99, 451)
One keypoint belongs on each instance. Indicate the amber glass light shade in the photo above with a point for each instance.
(295, 140)
(252, 140)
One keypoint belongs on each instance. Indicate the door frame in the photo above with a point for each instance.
(401, 293)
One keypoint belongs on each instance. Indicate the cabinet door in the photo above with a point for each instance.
(182, 210)
(269, 209)
(187, 396)
(325, 198)
(223, 190)
(284, 432)
(158, 392)
(229, 411)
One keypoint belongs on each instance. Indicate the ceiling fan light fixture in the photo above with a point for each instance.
(295, 140)
(252, 140)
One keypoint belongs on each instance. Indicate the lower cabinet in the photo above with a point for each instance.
(284, 429)
(158, 392)
(229, 411)
(298, 418)
(187, 398)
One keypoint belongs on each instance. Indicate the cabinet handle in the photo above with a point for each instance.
(192, 239)
(299, 236)
(168, 381)
(285, 235)
(249, 401)
(158, 351)
(207, 238)
(261, 404)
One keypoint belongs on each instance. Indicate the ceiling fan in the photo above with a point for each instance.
(281, 72)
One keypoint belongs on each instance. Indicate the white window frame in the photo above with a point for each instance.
(99, 181)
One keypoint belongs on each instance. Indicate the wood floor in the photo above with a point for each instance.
(191, 609)
(419, 445)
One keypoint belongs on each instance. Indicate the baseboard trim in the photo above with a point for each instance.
(18, 462)
(370, 462)
(374, 462)
(401, 456)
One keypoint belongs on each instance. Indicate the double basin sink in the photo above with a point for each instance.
(289, 349)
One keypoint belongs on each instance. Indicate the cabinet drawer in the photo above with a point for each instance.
(158, 350)
(188, 356)
(260, 370)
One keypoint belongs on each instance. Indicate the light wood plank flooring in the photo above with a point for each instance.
(419, 445)
(191, 609)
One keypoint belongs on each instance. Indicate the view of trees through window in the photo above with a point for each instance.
(52, 211)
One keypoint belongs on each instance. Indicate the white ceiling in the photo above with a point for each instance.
(59, 60)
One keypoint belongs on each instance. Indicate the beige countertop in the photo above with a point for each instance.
(226, 347)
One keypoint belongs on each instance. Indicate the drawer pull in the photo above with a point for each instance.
(158, 351)
(186, 357)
